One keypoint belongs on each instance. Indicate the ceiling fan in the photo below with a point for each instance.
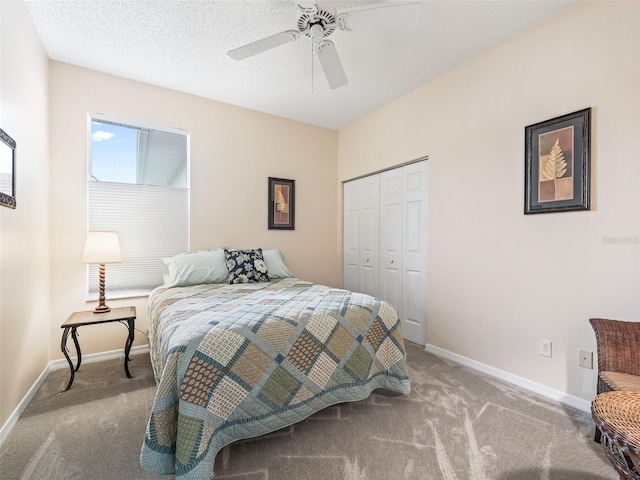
(317, 23)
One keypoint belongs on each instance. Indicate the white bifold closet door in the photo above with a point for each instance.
(361, 214)
(385, 242)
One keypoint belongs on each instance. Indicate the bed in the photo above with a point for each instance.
(235, 361)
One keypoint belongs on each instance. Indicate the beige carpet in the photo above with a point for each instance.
(456, 424)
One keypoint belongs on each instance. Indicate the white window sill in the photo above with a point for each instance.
(93, 296)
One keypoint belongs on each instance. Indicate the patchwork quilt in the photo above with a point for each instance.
(238, 361)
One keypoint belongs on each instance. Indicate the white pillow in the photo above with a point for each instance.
(275, 265)
(194, 268)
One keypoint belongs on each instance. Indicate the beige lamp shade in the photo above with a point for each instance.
(102, 247)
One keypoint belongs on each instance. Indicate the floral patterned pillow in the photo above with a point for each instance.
(246, 266)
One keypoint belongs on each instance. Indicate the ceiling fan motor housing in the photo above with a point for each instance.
(314, 16)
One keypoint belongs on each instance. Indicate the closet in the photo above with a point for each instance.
(385, 242)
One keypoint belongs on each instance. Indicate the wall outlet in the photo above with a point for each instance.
(544, 348)
(585, 358)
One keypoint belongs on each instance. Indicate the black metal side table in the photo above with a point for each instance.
(124, 315)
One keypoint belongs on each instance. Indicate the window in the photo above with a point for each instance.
(138, 186)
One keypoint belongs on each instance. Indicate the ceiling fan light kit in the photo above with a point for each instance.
(314, 16)
(317, 24)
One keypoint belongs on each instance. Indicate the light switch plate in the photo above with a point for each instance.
(585, 358)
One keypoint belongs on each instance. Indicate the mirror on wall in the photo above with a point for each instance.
(7, 170)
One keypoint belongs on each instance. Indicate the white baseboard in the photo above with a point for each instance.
(552, 393)
(97, 357)
(54, 365)
(19, 410)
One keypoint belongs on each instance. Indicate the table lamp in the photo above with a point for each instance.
(101, 248)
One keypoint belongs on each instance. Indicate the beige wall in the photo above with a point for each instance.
(24, 232)
(233, 152)
(498, 281)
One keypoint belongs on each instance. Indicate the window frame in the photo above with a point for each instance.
(109, 119)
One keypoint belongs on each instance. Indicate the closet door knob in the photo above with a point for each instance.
(391, 261)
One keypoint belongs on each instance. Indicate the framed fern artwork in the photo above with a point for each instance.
(282, 203)
(557, 164)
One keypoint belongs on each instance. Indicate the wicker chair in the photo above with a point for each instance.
(618, 344)
(617, 416)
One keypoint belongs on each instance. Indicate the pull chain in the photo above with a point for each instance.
(312, 67)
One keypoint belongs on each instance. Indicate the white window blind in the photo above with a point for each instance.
(139, 191)
(151, 222)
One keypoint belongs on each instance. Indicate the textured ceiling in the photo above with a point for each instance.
(182, 45)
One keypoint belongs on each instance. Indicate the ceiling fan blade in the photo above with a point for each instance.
(380, 16)
(263, 45)
(331, 65)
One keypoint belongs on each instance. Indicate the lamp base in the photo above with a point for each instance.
(101, 308)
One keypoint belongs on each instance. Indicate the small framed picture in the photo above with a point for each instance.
(7, 170)
(557, 164)
(281, 204)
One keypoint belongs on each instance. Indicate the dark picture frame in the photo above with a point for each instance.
(282, 204)
(7, 170)
(558, 163)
